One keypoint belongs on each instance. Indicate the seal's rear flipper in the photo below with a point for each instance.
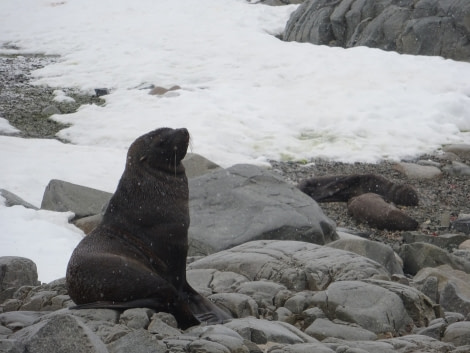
(139, 303)
(206, 311)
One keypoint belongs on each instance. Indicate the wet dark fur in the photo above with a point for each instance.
(342, 188)
(136, 257)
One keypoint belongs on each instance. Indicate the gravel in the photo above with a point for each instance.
(441, 200)
(25, 105)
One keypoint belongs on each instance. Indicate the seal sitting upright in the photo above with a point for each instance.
(136, 257)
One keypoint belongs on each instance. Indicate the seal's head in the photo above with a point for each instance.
(161, 149)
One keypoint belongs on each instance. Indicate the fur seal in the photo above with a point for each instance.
(136, 256)
(375, 211)
(341, 188)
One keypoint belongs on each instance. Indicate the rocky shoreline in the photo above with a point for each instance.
(292, 280)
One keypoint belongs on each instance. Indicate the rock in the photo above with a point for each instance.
(63, 196)
(197, 165)
(50, 110)
(372, 209)
(296, 265)
(232, 206)
(458, 334)
(323, 328)
(448, 242)
(416, 171)
(160, 91)
(136, 318)
(457, 169)
(435, 330)
(461, 150)
(222, 335)
(238, 305)
(425, 27)
(13, 200)
(59, 334)
(208, 281)
(16, 272)
(462, 224)
(87, 224)
(405, 344)
(99, 92)
(418, 306)
(417, 256)
(370, 306)
(465, 245)
(139, 341)
(161, 329)
(17, 320)
(453, 287)
(379, 252)
(262, 331)
(301, 348)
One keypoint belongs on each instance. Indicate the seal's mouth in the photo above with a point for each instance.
(180, 143)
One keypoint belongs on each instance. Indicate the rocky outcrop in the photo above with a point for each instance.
(418, 27)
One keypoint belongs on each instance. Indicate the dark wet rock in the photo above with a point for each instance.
(425, 27)
(13, 200)
(232, 206)
(381, 253)
(462, 224)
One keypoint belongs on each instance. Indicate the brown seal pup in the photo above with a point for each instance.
(136, 257)
(372, 209)
(341, 188)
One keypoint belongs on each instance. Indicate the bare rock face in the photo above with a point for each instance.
(418, 27)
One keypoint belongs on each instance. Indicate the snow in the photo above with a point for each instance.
(245, 97)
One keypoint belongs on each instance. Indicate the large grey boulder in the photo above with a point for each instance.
(372, 307)
(296, 265)
(418, 27)
(63, 196)
(233, 206)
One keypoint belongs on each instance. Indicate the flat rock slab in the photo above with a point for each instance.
(296, 265)
(229, 207)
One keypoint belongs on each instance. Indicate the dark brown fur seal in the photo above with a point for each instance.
(136, 257)
(375, 211)
(341, 188)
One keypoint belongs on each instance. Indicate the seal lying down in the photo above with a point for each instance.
(136, 257)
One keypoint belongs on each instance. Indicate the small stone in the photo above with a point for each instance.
(50, 110)
(416, 171)
(458, 333)
(461, 150)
